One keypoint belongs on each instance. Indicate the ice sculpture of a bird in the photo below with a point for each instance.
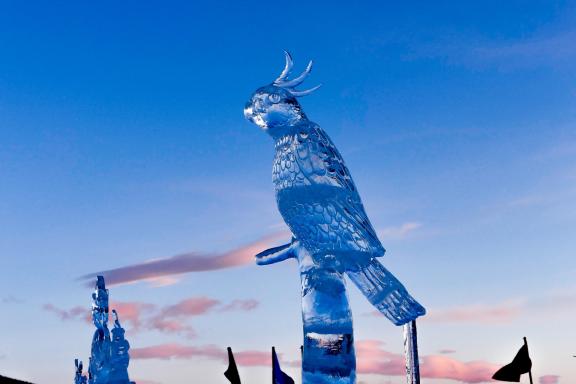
(318, 200)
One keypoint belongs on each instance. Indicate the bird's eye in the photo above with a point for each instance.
(274, 98)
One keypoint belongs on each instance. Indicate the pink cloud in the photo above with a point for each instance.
(132, 312)
(153, 270)
(167, 319)
(372, 359)
(179, 351)
(536, 308)
(549, 379)
(443, 367)
(172, 326)
(253, 358)
(240, 305)
(375, 360)
(499, 313)
(196, 306)
(170, 319)
(128, 312)
(193, 306)
(176, 351)
(74, 313)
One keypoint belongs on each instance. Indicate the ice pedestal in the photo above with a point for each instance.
(328, 354)
(328, 349)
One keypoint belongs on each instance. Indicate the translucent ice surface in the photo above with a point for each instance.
(333, 236)
(109, 356)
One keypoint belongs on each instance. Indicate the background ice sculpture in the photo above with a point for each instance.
(109, 357)
(79, 378)
(333, 236)
(119, 357)
(98, 369)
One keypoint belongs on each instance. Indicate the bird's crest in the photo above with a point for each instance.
(289, 85)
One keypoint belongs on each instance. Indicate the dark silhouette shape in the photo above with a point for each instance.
(232, 371)
(278, 376)
(7, 380)
(520, 365)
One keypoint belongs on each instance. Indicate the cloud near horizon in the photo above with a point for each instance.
(477, 313)
(163, 271)
(551, 304)
(372, 359)
(375, 360)
(179, 351)
(549, 379)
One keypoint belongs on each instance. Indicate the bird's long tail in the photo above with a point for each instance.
(386, 293)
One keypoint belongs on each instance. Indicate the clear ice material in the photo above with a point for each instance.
(333, 236)
(109, 357)
(79, 377)
(119, 357)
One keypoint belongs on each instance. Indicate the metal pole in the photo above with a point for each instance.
(530, 371)
(411, 352)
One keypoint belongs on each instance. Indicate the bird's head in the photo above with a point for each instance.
(274, 107)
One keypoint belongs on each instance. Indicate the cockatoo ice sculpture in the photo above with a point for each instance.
(332, 234)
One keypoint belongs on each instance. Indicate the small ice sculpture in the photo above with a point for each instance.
(99, 367)
(332, 235)
(109, 357)
(79, 377)
(119, 357)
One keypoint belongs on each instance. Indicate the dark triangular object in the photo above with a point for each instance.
(7, 380)
(520, 365)
(232, 371)
(278, 376)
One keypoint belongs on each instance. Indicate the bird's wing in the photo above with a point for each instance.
(322, 164)
(320, 160)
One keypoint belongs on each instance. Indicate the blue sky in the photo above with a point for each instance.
(123, 141)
